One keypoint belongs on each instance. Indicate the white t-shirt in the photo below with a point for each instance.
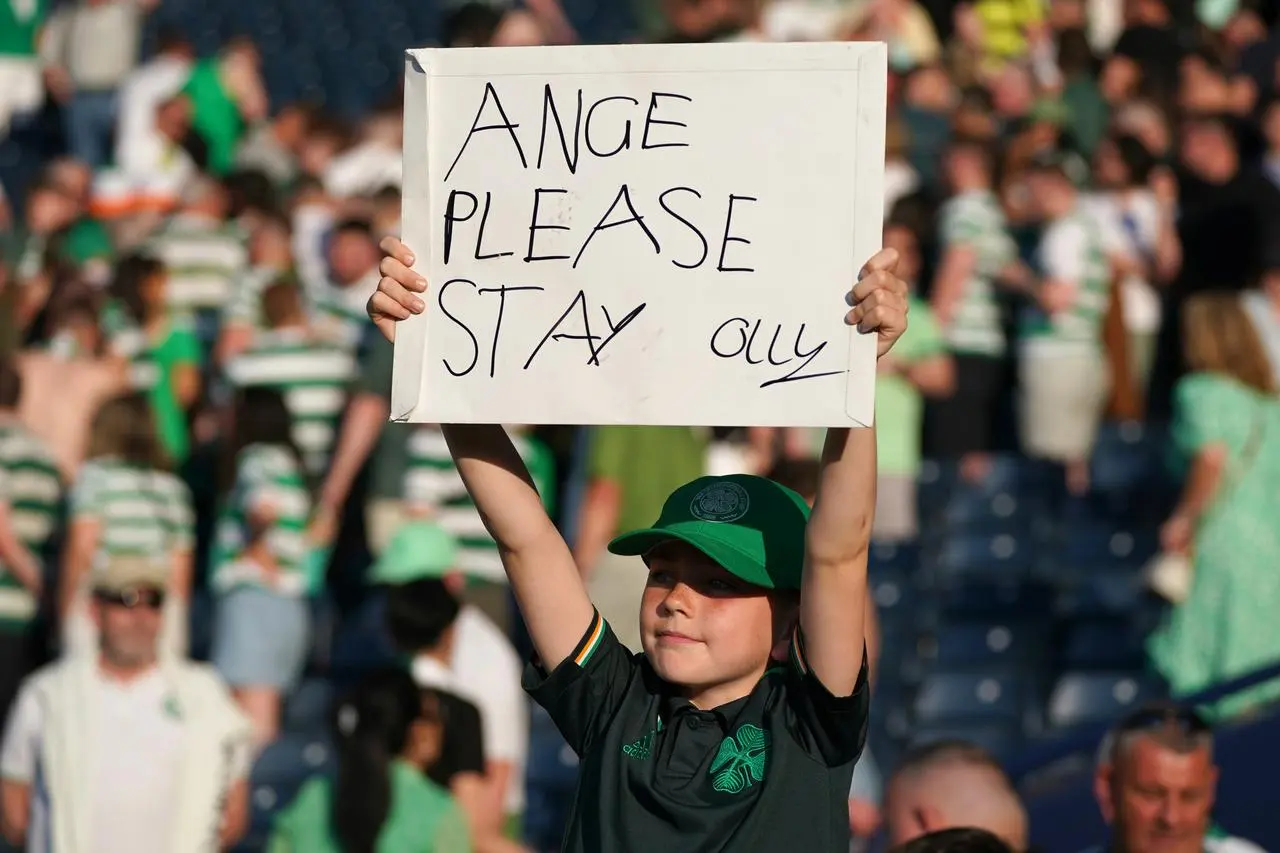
(141, 94)
(486, 671)
(1130, 227)
(135, 765)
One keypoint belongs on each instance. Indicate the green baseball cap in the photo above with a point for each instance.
(751, 526)
(419, 549)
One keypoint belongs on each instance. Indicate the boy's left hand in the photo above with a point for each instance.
(879, 301)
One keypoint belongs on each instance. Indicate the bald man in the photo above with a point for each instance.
(953, 784)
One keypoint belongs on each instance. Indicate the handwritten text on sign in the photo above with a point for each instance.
(660, 247)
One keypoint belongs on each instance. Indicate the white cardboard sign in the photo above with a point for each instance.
(644, 234)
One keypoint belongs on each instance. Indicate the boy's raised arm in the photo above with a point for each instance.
(833, 591)
(538, 562)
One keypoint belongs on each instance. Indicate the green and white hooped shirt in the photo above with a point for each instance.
(433, 485)
(1071, 250)
(976, 220)
(268, 477)
(31, 488)
(311, 374)
(140, 510)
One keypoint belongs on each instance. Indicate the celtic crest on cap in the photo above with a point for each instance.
(723, 501)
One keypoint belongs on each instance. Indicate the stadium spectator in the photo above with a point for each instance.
(1137, 207)
(89, 48)
(126, 502)
(31, 493)
(1226, 428)
(920, 367)
(477, 662)
(227, 96)
(162, 351)
(976, 249)
(952, 784)
(422, 617)
(1063, 372)
(140, 142)
(380, 798)
(21, 86)
(1156, 783)
(263, 570)
(126, 746)
(311, 372)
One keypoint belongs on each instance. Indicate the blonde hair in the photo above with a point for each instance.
(1219, 337)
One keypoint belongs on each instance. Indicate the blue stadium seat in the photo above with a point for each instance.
(1103, 644)
(894, 557)
(1081, 698)
(1007, 600)
(307, 710)
(984, 555)
(999, 740)
(893, 594)
(1120, 592)
(951, 697)
(985, 644)
(1125, 457)
(277, 776)
(1099, 545)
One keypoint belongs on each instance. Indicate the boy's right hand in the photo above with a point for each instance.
(397, 295)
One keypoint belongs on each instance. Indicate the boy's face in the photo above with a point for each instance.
(704, 629)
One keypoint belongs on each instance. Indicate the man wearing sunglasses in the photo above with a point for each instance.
(125, 749)
(1155, 784)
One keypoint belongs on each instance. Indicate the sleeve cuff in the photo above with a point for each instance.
(538, 681)
(818, 690)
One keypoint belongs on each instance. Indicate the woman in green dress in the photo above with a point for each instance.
(380, 800)
(162, 349)
(1226, 429)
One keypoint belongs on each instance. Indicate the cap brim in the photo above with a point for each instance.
(392, 575)
(637, 543)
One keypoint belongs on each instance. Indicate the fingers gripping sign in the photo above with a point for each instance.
(397, 296)
(879, 301)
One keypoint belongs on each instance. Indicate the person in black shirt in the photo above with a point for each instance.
(705, 741)
(1227, 213)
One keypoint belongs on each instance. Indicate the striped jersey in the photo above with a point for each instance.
(140, 510)
(268, 484)
(1071, 250)
(244, 305)
(975, 219)
(340, 313)
(312, 375)
(31, 488)
(204, 258)
(433, 485)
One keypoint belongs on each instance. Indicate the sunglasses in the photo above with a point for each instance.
(152, 599)
(1186, 720)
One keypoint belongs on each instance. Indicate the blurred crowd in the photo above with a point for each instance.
(194, 409)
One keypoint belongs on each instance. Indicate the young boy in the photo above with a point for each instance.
(699, 743)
